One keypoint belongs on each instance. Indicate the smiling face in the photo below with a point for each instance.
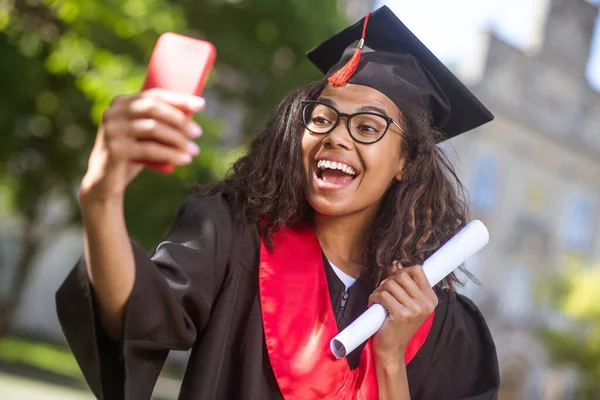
(343, 177)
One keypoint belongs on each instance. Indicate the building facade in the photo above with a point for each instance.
(534, 178)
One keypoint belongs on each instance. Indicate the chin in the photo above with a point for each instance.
(326, 205)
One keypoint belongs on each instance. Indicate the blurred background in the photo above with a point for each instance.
(533, 175)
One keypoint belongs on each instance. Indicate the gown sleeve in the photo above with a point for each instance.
(169, 307)
(460, 361)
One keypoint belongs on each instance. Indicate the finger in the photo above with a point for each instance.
(151, 129)
(116, 111)
(426, 298)
(382, 282)
(395, 309)
(185, 102)
(406, 281)
(401, 295)
(156, 108)
(123, 99)
(396, 266)
(152, 151)
(417, 274)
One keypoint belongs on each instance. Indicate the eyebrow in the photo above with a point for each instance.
(378, 110)
(373, 108)
(327, 101)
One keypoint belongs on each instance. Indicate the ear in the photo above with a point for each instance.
(400, 172)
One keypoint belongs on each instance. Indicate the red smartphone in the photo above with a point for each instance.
(180, 64)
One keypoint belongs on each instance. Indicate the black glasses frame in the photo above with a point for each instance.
(307, 103)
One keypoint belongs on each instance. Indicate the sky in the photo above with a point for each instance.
(449, 38)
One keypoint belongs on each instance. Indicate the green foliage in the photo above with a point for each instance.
(577, 342)
(55, 359)
(265, 42)
(64, 60)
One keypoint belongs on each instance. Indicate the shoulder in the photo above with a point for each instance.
(457, 321)
(467, 317)
(201, 221)
(196, 205)
(461, 323)
(211, 218)
(459, 352)
(204, 213)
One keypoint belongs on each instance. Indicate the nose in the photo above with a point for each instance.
(339, 136)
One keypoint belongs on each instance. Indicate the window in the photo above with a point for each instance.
(518, 295)
(578, 223)
(485, 184)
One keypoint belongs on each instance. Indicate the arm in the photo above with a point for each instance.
(392, 380)
(109, 261)
(458, 360)
(169, 304)
(122, 139)
(410, 300)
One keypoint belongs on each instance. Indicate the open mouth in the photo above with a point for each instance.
(335, 174)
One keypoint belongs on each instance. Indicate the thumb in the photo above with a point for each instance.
(396, 266)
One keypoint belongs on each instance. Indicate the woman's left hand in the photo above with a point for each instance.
(409, 299)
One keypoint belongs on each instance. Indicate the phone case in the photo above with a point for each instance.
(180, 64)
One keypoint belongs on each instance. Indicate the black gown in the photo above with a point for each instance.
(199, 291)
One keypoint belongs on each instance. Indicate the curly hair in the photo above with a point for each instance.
(417, 215)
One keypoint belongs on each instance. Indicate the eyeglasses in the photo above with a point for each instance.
(363, 127)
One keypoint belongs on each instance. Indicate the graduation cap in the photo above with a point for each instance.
(379, 51)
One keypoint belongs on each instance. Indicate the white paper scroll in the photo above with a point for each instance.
(446, 259)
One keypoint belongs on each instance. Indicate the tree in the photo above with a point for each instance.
(64, 60)
(576, 342)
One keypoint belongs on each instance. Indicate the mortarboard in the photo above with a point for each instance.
(392, 60)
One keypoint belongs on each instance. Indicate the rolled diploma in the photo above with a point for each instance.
(446, 259)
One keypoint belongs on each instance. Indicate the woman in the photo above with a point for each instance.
(334, 207)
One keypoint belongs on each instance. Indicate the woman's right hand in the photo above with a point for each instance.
(153, 126)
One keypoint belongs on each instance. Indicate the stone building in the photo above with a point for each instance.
(534, 178)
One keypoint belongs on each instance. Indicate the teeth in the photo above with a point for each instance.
(326, 164)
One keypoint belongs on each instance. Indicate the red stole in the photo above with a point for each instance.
(299, 322)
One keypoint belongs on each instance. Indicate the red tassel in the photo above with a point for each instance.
(340, 77)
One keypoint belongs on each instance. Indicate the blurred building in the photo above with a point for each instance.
(355, 9)
(534, 179)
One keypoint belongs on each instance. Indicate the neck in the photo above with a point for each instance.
(344, 238)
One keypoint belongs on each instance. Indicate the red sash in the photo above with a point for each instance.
(299, 322)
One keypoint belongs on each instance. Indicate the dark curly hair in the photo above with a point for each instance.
(417, 215)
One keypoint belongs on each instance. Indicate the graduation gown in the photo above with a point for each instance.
(200, 290)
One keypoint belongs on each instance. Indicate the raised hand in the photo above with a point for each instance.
(409, 299)
(151, 126)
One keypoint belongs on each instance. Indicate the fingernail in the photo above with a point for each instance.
(196, 103)
(193, 148)
(185, 158)
(194, 129)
